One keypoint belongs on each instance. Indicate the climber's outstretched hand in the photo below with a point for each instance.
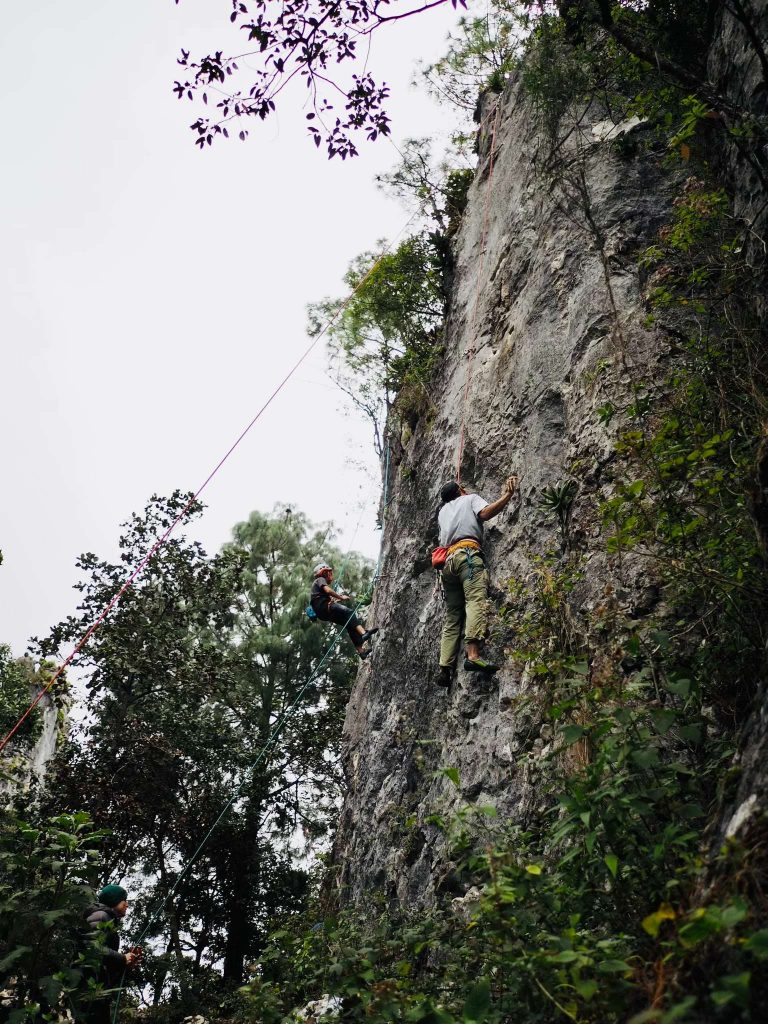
(510, 485)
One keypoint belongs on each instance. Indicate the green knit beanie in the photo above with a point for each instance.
(111, 895)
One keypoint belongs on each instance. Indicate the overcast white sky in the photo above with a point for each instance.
(151, 295)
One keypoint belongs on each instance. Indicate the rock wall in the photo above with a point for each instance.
(27, 764)
(544, 330)
(545, 317)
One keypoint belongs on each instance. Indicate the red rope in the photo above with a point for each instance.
(158, 543)
(473, 320)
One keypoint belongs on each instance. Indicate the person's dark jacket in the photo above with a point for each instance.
(318, 598)
(103, 919)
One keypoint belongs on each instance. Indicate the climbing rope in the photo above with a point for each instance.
(473, 319)
(271, 740)
(161, 540)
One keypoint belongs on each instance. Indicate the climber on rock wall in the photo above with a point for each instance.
(465, 578)
(329, 606)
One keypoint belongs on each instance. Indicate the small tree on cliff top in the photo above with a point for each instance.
(388, 333)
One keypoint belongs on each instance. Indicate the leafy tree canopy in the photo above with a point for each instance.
(320, 40)
(49, 866)
(186, 680)
(387, 335)
(306, 38)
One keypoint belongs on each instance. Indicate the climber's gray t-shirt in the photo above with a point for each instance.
(458, 520)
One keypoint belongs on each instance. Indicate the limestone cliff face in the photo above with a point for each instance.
(544, 330)
(558, 323)
(28, 763)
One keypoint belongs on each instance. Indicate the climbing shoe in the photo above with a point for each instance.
(369, 633)
(478, 665)
(363, 654)
(444, 676)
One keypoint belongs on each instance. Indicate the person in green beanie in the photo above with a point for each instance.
(102, 918)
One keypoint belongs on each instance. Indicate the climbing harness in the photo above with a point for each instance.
(467, 542)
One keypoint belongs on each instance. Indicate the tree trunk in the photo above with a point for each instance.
(244, 877)
(238, 934)
(173, 916)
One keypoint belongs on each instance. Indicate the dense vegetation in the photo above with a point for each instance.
(619, 898)
(201, 814)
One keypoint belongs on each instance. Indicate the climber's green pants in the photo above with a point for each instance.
(465, 584)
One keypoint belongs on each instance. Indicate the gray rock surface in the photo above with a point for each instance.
(547, 347)
(545, 324)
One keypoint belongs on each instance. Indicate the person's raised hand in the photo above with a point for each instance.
(510, 485)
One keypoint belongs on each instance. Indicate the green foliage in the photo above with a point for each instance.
(480, 55)
(556, 76)
(535, 620)
(47, 868)
(16, 691)
(697, 221)
(187, 678)
(691, 442)
(551, 932)
(590, 59)
(435, 189)
(581, 914)
(680, 31)
(385, 340)
(558, 501)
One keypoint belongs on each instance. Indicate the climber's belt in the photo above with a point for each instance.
(471, 544)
